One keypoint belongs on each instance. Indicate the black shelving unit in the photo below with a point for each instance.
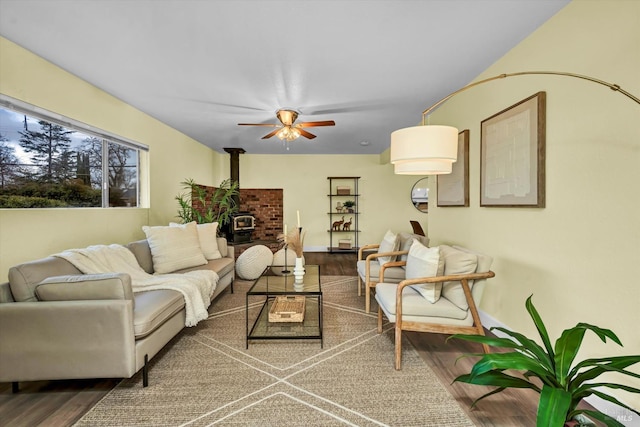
(343, 224)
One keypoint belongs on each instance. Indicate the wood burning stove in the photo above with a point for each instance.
(241, 225)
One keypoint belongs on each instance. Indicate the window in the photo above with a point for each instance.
(45, 163)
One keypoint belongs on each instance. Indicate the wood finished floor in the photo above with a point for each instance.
(61, 403)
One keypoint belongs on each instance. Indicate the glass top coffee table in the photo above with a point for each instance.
(275, 324)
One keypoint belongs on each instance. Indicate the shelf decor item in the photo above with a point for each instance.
(344, 244)
(343, 191)
(349, 204)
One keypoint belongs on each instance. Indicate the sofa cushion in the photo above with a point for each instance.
(207, 235)
(174, 248)
(24, 278)
(457, 262)
(142, 252)
(153, 308)
(414, 304)
(85, 287)
(425, 262)
(222, 266)
(5, 293)
(223, 247)
(390, 243)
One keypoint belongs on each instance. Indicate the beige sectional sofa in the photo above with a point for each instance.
(93, 326)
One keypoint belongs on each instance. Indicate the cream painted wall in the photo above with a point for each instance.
(173, 157)
(29, 234)
(576, 256)
(385, 198)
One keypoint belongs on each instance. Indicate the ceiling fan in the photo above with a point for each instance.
(288, 130)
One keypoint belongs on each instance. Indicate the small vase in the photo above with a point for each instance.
(298, 273)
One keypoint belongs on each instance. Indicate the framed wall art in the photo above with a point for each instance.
(453, 188)
(512, 155)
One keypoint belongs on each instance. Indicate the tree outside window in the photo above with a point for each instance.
(44, 164)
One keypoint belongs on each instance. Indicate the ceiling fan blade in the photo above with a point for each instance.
(364, 105)
(271, 125)
(270, 134)
(306, 134)
(314, 124)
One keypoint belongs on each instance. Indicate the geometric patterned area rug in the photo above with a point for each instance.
(206, 376)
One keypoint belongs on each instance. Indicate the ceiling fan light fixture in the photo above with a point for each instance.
(288, 133)
(287, 116)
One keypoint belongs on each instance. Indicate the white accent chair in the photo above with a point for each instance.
(454, 312)
(371, 268)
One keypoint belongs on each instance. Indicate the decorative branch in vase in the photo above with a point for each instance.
(295, 241)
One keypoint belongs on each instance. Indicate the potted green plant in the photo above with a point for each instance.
(197, 204)
(349, 204)
(563, 383)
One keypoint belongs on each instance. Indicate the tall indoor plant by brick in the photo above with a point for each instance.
(202, 205)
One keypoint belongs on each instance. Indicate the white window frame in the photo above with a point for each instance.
(106, 138)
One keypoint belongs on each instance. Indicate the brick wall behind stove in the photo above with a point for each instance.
(266, 205)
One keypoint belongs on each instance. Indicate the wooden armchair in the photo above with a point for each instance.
(450, 314)
(370, 270)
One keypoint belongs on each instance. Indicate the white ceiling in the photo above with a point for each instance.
(202, 66)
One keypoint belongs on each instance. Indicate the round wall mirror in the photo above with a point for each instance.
(420, 195)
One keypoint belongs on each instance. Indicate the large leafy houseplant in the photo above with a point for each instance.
(562, 384)
(197, 204)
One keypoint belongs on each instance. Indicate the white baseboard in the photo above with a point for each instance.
(489, 322)
(622, 415)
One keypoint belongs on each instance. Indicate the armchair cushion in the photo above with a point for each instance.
(391, 275)
(389, 243)
(425, 262)
(85, 287)
(407, 239)
(457, 262)
(413, 304)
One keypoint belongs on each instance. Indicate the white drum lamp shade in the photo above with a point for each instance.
(423, 167)
(429, 142)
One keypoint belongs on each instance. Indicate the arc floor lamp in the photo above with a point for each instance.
(432, 149)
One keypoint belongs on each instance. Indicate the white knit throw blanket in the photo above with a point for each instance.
(196, 286)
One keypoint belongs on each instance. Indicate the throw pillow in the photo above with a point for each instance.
(389, 243)
(457, 262)
(174, 248)
(425, 262)
(208, 236)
